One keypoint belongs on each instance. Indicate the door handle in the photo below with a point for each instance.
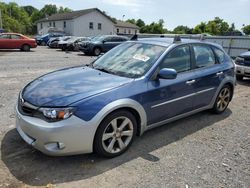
(219, 73)
(189, 82)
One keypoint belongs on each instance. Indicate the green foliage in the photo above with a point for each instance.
(246, 29)
(154, 28)
(23, 19)
(182, 30)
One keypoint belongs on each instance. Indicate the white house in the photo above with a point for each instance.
(88, 22)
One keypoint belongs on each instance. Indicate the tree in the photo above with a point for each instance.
(154, 28)
(140, 23)
(131, 21)
(29, 9)
(217, 27)
(246, 29)
(200, 28)
(182, 30)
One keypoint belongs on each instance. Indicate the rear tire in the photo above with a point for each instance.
(239, 77)
(25, 48)
(115, 134)
(223, 99)
(43, 43)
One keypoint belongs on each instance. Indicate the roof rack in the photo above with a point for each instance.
(177, 38)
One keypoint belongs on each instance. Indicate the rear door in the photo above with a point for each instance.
(209, 74)
(16, 41)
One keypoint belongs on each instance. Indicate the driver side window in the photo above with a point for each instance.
(178, 59)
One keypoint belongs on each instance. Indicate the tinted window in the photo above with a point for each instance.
(178, 59)
(221, 56)
(204, 56)
(15, 37)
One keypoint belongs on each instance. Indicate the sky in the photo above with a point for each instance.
(173, 12)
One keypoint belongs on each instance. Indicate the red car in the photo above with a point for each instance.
(16, 41)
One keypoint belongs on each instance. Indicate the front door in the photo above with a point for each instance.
(168, 98)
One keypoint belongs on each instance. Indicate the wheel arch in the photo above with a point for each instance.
(24, 45)
(124, 104)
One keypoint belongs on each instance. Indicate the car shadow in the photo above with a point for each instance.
(244, 82)
(13, 50)
(34, 168)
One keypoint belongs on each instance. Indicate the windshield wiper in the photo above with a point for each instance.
(104, 70)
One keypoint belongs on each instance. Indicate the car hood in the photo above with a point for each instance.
(62, 42)
(64, 87)
(245, 54)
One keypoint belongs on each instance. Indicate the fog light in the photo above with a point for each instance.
(60, 145)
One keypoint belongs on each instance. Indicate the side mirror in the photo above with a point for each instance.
(167, 73)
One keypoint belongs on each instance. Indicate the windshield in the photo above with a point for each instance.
(98, 38)
(129, 59)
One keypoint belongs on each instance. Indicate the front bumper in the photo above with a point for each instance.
(242, 70)
(67, 137)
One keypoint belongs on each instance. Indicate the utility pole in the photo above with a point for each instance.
(1, 22)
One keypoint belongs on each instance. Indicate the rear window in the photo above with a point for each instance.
(204, 56)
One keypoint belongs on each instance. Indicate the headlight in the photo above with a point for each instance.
(57, 113)
(239, 61)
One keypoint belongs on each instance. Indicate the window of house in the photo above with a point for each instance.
(178, 59)
(117, 30)
(129, 31)
(41, 25)
(125, 31)
(99, 26)
(204, 56)
(54, 24)
(135, 31)
(91, 25)
(64, 24)
(50, 24)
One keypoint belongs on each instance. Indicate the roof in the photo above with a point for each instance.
(72, 15)
(126, 24)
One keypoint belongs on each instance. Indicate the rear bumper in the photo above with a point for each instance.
(67, 137)
(242, 70)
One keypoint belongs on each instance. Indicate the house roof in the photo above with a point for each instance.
(72, 15)
(126, 25)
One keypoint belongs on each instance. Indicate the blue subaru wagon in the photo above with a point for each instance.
(136, 86)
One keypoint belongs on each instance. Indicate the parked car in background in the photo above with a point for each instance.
(134, 87)
(53, 42)
(42, 40)
(71, 44)
(2, 30)
(242, 67)
(16, 41)
(100, 44)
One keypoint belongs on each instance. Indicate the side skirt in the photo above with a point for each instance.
(177, 117)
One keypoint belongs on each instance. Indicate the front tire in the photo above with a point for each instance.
(25, 48)
(97, 51)
(222, 100)
(115, 134)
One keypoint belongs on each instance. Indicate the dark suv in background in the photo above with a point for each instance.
(100, 44)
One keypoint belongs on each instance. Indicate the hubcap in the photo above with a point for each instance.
(117, 135)
(223, 99)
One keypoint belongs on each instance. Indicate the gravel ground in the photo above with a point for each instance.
(203, 150)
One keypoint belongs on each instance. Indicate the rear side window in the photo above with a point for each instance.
(15, 37)
(221, 56)
(204, 56)
(178, 59)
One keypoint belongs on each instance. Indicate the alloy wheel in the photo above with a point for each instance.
(117, 135)
(223, 99)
